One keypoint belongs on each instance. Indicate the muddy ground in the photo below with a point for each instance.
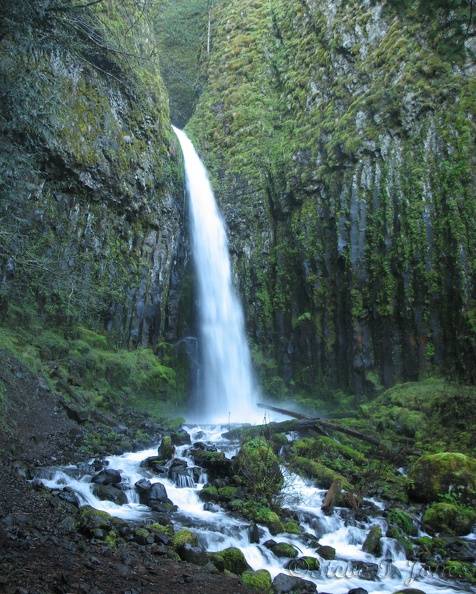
(41, 550)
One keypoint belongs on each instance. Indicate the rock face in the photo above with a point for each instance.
(340, 136)
(91, 189)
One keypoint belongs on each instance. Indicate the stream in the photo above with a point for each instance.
(217, 530)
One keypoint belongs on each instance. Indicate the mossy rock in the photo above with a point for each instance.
(263, 515)
(257, 580)
(227, 493)
(283, 549)
(166, 448)
(258, 466)
(183, 537)
(216, 463)
(403, 521)
(208, 494)
(461, 570)
(438, 474)
(303, 565)
(450, 518)
(234, 560)
(292, 527)
(96, 523)
(373, 543)
(395, 533)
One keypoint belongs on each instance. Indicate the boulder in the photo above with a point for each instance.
(193, 554)
(234, 560)
(166, 448)
(260, 580)
(108, 476)
(450, 518)
(372, 543)
(110, 493)
(288, 584)
(326, 552)
(439, 474)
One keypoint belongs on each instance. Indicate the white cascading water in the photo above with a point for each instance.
(217, 531)
(227, 386)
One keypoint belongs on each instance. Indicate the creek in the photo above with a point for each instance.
(218, 530)
(226, 393)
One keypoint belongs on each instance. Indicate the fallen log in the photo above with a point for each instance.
(309, 421)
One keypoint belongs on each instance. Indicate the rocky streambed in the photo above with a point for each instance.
(187, 500)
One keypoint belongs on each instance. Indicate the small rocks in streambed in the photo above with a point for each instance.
(358, 591)
(287, 584)
(108, 476)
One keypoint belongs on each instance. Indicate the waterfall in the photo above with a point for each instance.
(226, 393)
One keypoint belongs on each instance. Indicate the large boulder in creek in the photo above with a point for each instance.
(288, 584)
(108, 476)
(110, 493)
(166, 449)
(154, 495)
(439, 474)
(373, 542)
(257, 465)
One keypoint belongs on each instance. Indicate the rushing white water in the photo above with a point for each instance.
(227, 386)
(217, 531)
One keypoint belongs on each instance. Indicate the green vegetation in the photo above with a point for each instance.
(257, 580)
(259, 468)
(341, 149)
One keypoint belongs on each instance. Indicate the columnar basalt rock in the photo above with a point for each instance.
(340, 137)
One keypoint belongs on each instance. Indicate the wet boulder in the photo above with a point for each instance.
(288, 584)
(108, 476)
(154, 495)
(373, 543)
(192, 554)
(110, 493)
(166, 449)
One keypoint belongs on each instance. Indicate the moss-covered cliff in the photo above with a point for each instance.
(340, 136)
(91, 218)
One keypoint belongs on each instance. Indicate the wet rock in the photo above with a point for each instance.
(365, 570)
(69, 496)
(460, 550)
(193, 554)
(358, 591)
(287, 584)
(180, 437)
(373, 543)
(108, 476)
(326, 552)
(110, 493)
